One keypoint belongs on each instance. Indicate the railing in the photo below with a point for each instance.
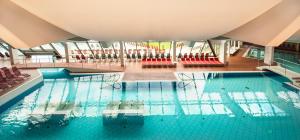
(288, 65)
(110, 64)
(284, 67)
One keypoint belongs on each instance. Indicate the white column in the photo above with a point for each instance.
(174, 51)
(241, 44)
(223, 51)
(297, 47)
(269, 55)
(234, 44)
(122, 54)
(66, 52)
(13, 55)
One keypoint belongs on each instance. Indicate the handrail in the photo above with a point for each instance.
(53, 63)
(285, 65)
(287, 61)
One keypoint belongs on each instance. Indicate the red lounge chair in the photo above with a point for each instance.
(191, 55)
(17, 72)
(77, 57)
(164, 61)
(202, 55)
(158, 62)
(189, 61)
(198, 62)
(206, 60)
(6, 81)
(183, 61)
(193, 61)
(217, 61)
(83, 57)
(7, 73)
(169, 62)
(144, 62)
(153, 62)
(4, 86)
(212, 60)
(197, 55)
(185, 56)
(148, 62)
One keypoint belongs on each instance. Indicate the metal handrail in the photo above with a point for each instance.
(287, 61)
(39, 62)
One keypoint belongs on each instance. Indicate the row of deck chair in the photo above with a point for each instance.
(11, 77)
(212, 61)
(157, 62)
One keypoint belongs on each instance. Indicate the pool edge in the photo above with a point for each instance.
(9, 99)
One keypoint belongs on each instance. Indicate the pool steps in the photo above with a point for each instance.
(293, 76)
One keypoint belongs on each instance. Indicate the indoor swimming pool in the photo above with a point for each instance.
(254, 105)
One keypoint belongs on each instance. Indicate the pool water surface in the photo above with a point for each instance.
(197, 106)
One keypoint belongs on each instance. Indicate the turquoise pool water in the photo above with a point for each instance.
(199, 106)
(286, 59)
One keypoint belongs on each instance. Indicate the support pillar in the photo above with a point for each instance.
(174, 51)
(66, 52)
(223, 51)
(13, 55)
(269, 55)
(241, 44)
(297, 47)
(122, 54)
(234, 44)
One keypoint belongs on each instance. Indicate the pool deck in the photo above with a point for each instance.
(133, 71)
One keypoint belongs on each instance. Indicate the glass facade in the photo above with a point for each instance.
(92, 51)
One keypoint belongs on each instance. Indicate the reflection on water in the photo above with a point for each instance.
(197, 105)
(291, 97)
(256, 104)
(205, 94)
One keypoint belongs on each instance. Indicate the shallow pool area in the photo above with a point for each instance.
(253, 105)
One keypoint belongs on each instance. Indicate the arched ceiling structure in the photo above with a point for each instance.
(136, 20)
(273, 27)
(295, 38)
(22, 29)
(147, 19)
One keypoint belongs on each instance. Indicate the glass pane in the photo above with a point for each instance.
(47, 47)
(2, 50)
(41, 58)
(36, 48)
(60, 48)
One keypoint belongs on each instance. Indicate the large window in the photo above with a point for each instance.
(42, 58)
(60, 48)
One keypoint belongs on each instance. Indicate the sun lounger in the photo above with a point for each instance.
(9, 75)
(17, 72)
